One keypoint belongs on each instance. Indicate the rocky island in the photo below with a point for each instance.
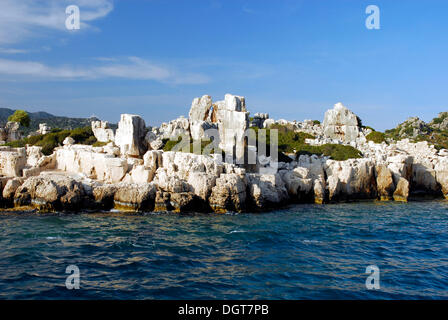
(202, 164)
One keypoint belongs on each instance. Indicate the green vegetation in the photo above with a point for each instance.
(439, 120)
(170, 144)
(376, 136)
(337, 152)
(21, 117)
(290, 141)
(99, 144)
(316, 122)
(55, 138)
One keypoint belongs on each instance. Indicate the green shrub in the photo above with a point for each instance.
(376, 136)
(99, 144)
(21, 117)
(437, 120)
(55, 138)
(337, 152)
(368, 127)
(316, 122)
(170, 144)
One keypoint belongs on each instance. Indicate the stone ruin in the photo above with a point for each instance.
(131, 172)
(10, 132)
(342, 124)
(102, 131)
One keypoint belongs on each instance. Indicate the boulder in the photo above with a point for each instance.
(385, 183)
(52, 193)
(186, 202)
(10, 189)
(130, 135)
(402, 191)
(135, 197)
(68, 141)
(104, 196)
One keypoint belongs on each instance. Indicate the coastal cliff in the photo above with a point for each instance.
(134, 169)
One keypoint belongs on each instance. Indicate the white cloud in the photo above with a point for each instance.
(12, 51)
(133, 68)
(21, 20)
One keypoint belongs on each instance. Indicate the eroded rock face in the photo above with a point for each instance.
(200, 109)
(229, 193)
(135, 197)
(402, 191)
(341, 123)
(351, 179)
(266, 191)
(104, 196)
(10, 189)
(52, 193)
(130, 135)
(298, 184)
(441, 169)
(102, 131)
(385, 182)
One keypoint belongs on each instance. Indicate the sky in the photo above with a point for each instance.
(293, 59)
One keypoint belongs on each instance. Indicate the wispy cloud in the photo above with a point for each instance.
(20, 20)
(12, 51)
(133, 68)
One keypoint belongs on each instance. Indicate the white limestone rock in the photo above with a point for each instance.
(341, 123)
(130, 135)
(266, 190)
(102, 131)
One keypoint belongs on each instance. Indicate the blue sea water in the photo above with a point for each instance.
(299, 252)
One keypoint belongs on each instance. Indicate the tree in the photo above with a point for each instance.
(21, 117)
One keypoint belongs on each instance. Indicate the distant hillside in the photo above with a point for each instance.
(45, 117)
(415, 129)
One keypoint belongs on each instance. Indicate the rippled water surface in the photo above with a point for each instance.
(301, 252)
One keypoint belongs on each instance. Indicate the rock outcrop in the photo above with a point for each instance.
(52, 193)
(131, 173)
(130, 135)
(342, 124)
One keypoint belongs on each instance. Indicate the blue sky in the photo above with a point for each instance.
(293, 59)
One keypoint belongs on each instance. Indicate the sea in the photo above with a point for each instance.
(365, 250)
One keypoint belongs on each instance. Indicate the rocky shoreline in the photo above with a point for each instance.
(131, 172)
